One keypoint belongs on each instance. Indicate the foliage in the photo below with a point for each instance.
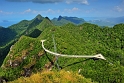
(44, 24)
(27, 53)
(4, 51)
(8, 36)
(20, 27)
(54, 77)
(89, 39)
(84, 39)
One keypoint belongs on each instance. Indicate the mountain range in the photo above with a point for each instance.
(22, 54)
(106, 21)
(61, 20)
(101, 21)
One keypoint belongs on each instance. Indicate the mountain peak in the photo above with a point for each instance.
(1, 27)
(60, 17)
(48, 18)
(39, 17)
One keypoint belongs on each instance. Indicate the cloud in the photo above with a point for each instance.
(51, 11)
(85, 2)
(75, 9)
(26, 11)
(36, 1)
(5, 13)
(71, 10)
(43, 12)
(30, 11)
(52, 1)
(118, 8)
(47, 1)
(1, 11)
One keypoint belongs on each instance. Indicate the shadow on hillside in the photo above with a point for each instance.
(35, 33)
(75, 63)
(49, 58)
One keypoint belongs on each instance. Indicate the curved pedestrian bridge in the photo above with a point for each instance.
(97, 56)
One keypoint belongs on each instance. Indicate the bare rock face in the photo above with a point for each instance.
(16, 63)
(3, 80)
(27, 72)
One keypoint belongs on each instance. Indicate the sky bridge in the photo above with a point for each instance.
(97, 56)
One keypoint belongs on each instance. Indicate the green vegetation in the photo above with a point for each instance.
(89, 39)
(27, 55)
(8, 36)
(54, 77)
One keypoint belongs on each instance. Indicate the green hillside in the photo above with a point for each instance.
(16, 30)
(89, 39)
(54, 77)
(20, 27)
(8, 36)
(27, 57)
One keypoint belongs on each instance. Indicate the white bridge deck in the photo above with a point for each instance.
(98, 56)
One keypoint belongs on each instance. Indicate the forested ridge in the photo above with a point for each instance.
(27, 57)
(8, 36)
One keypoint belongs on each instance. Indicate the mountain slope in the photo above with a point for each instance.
(8, 36)
(20, 55)
(37, 30)
(20, 27)
(54, 77)
(86, 40)
(36, 21)
(16, 30)
(27, 55)
(44, 24)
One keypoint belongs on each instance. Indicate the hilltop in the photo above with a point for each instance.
(26, 58)
(8, 36)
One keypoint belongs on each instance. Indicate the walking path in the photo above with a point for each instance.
(98, 56)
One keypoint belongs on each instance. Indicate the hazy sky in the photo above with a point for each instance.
(13, 10)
